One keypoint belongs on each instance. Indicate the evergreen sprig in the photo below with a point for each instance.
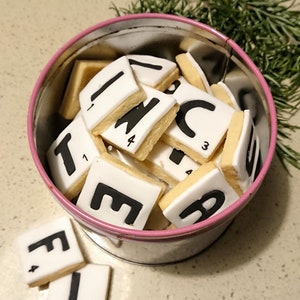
(268, 31)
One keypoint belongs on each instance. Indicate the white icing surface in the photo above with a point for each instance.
(95, 111)
(200, 71)
(161, 156)
(48, 261)
(82, 149)
(150, 76)
(210, 127)
(241, 154)
(213, 180)
(93, 284)
(102, 171)
(132, 140)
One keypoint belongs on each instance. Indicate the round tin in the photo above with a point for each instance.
(165, 36)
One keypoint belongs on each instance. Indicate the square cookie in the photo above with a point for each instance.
(201, 122)
(71, 155)
(110, 94)
(241, 154)
(153, 71)
(83, 71)
(88, 283)
(169, 164)
(112, 193)
(49, 252)
(202, 194)
(137, 131)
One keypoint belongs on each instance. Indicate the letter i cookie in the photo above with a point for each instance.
(241, 154)
(137, 131)
(83, 71)
(88, 283)
(71, 155)
(49, 252)
(110, 94)
(112, 193)
(201, 195)
(169, 164)
(201, 122)
(153, 71)
(192, 71)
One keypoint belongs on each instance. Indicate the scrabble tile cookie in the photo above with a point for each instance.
(137, 131)
(110, 94)
(71, 155)
(202, 194)
(83, 71)
(153, 71)
(192, 71)
(49, 252)
(221, 91)
(240, 158)
(118, 194)
(201, 122)
(88, 283)
(169, 164)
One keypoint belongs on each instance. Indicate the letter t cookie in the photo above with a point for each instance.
(49, 252)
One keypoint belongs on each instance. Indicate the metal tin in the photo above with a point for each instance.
(164, 36)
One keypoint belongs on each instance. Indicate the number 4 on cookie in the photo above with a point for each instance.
(131, 140)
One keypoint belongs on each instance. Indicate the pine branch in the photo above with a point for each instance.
(268, 31)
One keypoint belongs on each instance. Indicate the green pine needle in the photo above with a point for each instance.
(268, 31)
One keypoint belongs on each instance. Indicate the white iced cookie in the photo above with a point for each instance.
(110, 94)
(241, 155)
(198, 197)
(88, 283)
(137, 131)
(201, 122)
(153, 71)
(169, 164)
(119, 194)
(221, 91)
(192, 71)
(83, 71)
(49, 252)
(71, 155)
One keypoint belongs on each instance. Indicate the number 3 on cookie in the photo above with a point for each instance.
(205, 145)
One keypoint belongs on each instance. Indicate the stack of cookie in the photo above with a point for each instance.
(151, 144)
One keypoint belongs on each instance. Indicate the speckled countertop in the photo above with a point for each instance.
(257, 258)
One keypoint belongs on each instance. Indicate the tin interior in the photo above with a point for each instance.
(154, 36)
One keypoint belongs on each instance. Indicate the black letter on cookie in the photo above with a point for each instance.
(48, 242)
(198, 205)
(145, 65)
(185, 108)
(118, 199)
(64, 150)
(172, 89)
(106, 85)
(136, 114)
(74, 286)
(176, 156)
(250, 157)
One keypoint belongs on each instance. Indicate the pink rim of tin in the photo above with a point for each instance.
(155, 235)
